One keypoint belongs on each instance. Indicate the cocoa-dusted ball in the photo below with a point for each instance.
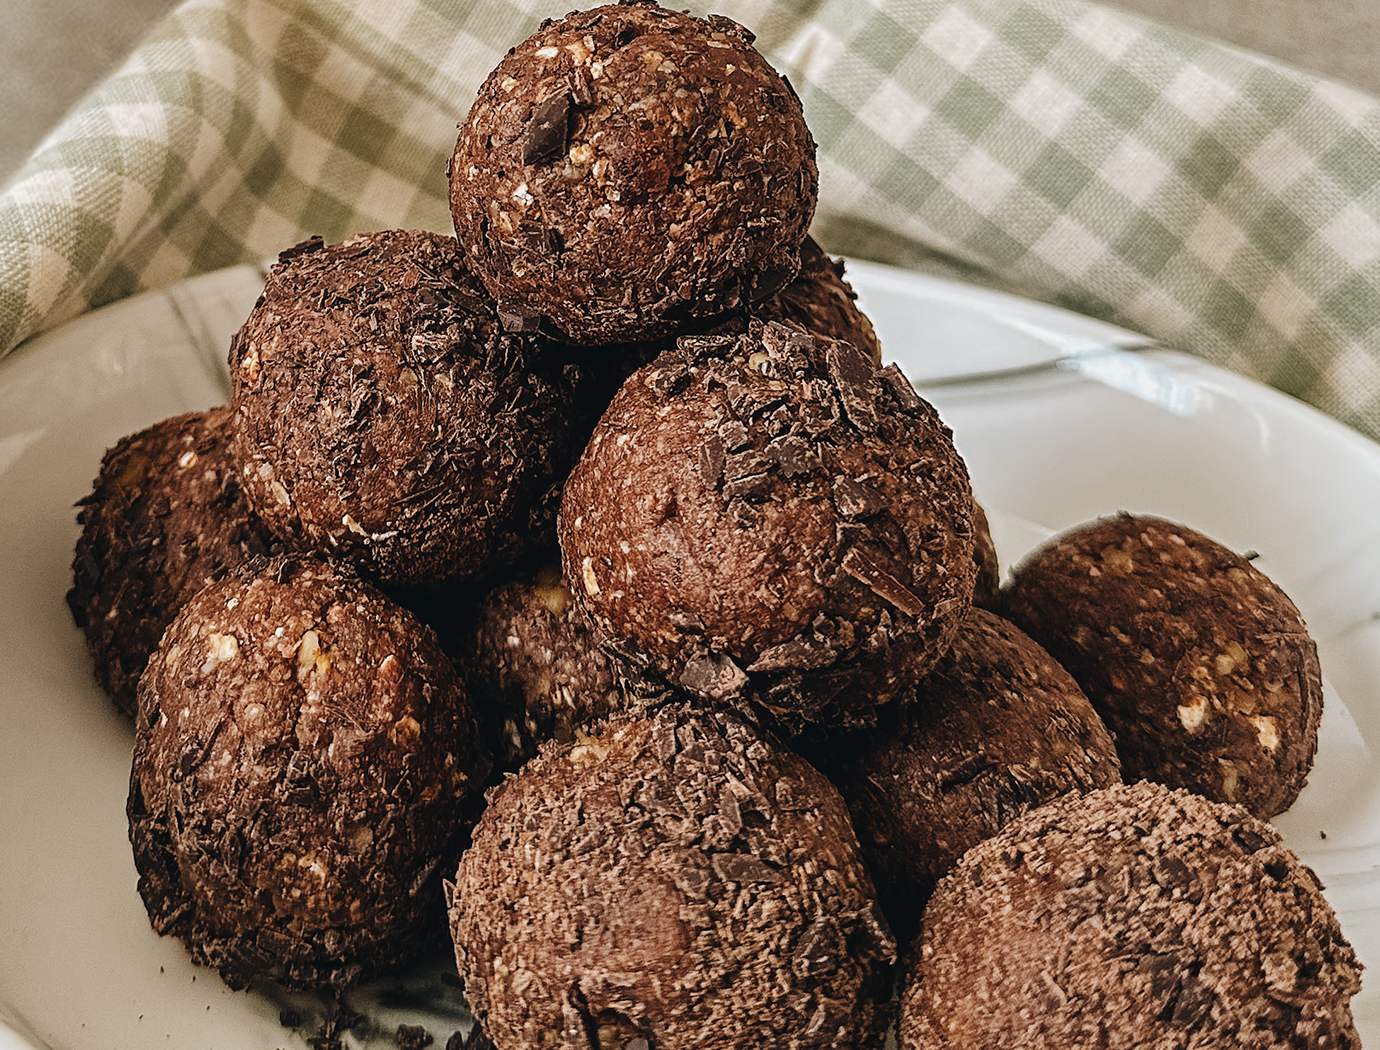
(1131, 917)
(1201, 667)
(534, 669)
(304, 762)
(675, 881)
(987, 593)
(628, 170)
(165, 517)
(770, 519)
(384, 417)
(996, 729)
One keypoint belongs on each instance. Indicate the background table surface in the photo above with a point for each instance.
(51, 51)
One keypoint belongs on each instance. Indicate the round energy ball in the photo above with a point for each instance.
(676, 881)
(383, 417)
(165, 517)
(629, 170)
(996, 729)
(1131, 917)
(533, 667)
(1201, 667)
(769, 520)
(304, 762)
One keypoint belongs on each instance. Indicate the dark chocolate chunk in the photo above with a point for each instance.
(548, 131)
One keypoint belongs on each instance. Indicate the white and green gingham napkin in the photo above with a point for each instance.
(1218, 201)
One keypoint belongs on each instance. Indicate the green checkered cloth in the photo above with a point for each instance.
(1218, 201)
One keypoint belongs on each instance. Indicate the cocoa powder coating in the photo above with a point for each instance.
(1132, 918)
(996, 729)
(534, 668)
(1200, 665)
(770, 520)
(629, 170)
(304, 761)
(675, 881)
(165, 517)
(384, 417)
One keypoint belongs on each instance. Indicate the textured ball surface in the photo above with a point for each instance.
(303, 764)
(629, 170)
(534, 669)
(820, 300)
(165, 517)
(987, 593)
(996, 729)
(1201, 667)
(676, 882)
(383, 417)
(770, 520)
(1131, 918)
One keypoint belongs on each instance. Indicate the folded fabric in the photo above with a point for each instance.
(1218, 201)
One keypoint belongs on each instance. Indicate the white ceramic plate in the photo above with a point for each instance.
(1073, 429)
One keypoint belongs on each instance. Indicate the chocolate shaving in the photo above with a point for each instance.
(793, 454)
(869, 570)
(714, 675)
(313, 243)
(799, 654)
(852, 374)
(517, 323)
(412, 1037)
(548, 131)
(743, 867)
(711, 460)
(855, 499)
(900, 387)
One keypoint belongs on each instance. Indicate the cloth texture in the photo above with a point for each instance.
(1221, 202)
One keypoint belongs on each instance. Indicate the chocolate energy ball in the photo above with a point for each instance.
(676, 881)
(769, 519)
(165, 517)
(1201, 667)
(385, 418)
(1131, 917)
(304, 762)
(987, 593)
(997, 729)
(534, 668)
(629, 170)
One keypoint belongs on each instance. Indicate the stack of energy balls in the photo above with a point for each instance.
(700, 594)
